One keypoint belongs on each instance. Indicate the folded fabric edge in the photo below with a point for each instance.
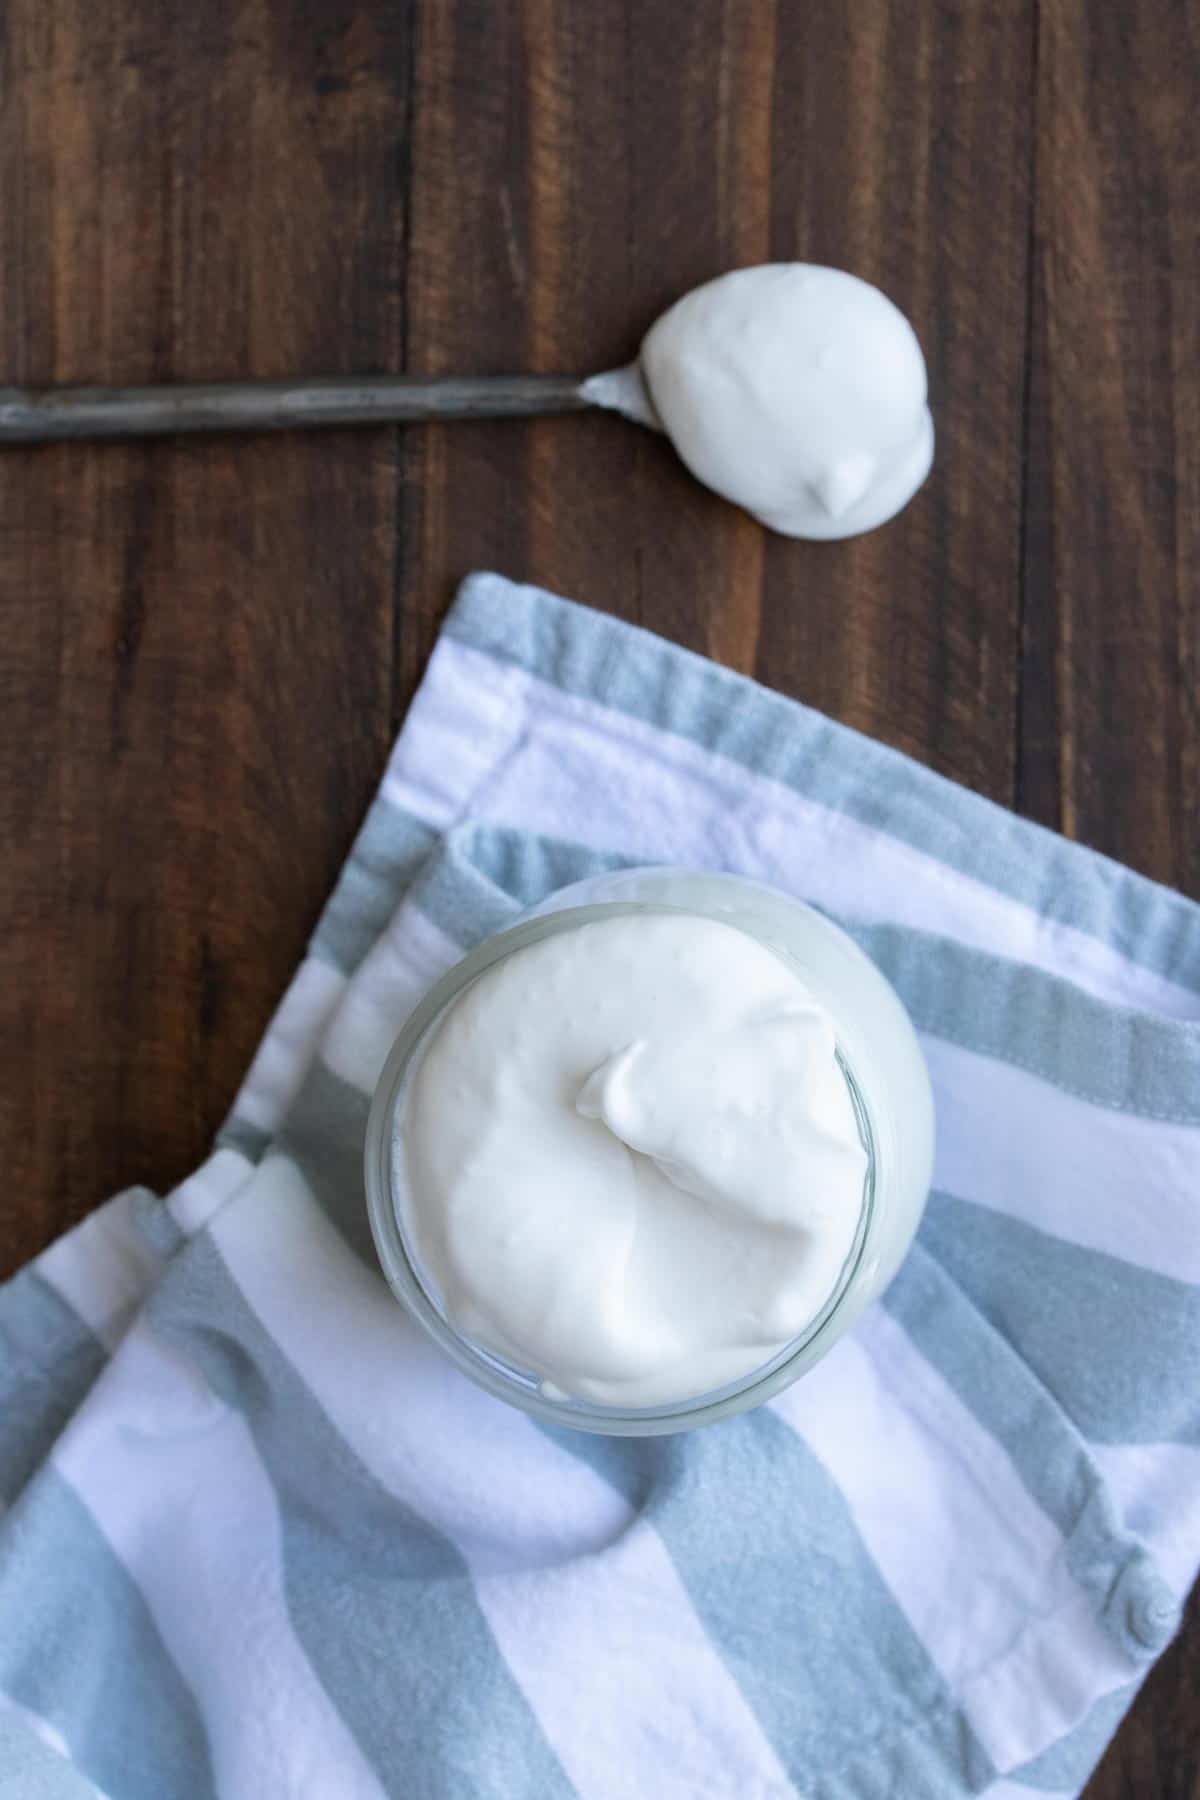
(626, 668)
(65, 1314)
(34, 1763)
(623, 666)
(1106, 1055)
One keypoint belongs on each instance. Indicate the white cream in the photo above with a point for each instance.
(796, 391)
(628, 1160)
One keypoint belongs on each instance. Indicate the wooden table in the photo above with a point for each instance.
(207, 646)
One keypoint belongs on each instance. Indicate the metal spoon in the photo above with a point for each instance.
(786, 388)
(50, 415)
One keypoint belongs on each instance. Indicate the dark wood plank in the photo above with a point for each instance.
(1110, 730)
(902, 150)
(609, 163)
(1110, 741)
(1156, 1753)
(574, 170)
(520, 259)
(196, 675)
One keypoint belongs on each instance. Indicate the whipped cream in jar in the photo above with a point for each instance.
(639, 1161)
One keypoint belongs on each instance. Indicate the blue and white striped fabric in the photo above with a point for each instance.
(260, 1539)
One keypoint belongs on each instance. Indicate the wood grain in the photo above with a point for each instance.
(1110, 740)
(207, 646)
(520, 225)
(914, 169)
(1109, 745)
(196, 674)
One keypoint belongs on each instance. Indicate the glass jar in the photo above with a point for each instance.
(884, 1071)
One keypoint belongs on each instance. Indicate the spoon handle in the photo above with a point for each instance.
(48, 415)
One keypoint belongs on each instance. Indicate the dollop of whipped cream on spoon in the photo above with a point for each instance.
(797, 391)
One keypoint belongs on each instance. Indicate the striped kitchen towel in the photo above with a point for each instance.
(261, 1539)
